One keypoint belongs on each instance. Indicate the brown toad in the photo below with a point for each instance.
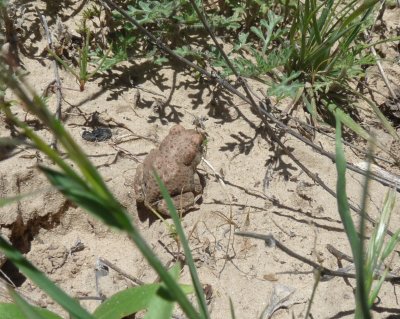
(175, 162)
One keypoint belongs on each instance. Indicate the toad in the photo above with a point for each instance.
(175, 161)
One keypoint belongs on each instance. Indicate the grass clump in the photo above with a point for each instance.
(369, 259)
(313, 52)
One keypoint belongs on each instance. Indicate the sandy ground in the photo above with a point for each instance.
(290, 206)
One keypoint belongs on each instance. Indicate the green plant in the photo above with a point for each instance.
(329, 52)
(368, 262)
(314, 54)
(84, 55)
(175, 23)
(86, 188)
(378, 251)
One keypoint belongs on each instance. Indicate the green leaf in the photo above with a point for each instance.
(113, 214)
(378, 251)
(161, 305)
(44, 283)
(243, 38)
(12, 311)
(287, 86)
(258, 33)
(132, 300)
(161, 60)
(126, 302)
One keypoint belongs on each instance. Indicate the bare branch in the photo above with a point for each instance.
(56, 74)
(270, 240)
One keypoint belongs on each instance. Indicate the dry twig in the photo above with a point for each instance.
(135, 280)
(271, 241)
(373, 51)
(56, 73)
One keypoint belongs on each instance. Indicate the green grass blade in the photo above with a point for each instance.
(325, 17)
(63, 63)
(77, 191)
(303, 30)
(364, 7)
(367, 273)
(377, 250)
(189, 258)
(232, 308)
(345, 216)
(316, 28)
(44, 283)
(386, 124)
(293, 28)
(12, 311)
(374, 293)
(356, 32)
(77, 155)
(378, 236)
(322, 51)
(83, 61)
(112, 213)
(377, 253)
(390, 246)
(348, 121)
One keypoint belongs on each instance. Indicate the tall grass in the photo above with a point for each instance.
(368, 259)
(328, 53)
